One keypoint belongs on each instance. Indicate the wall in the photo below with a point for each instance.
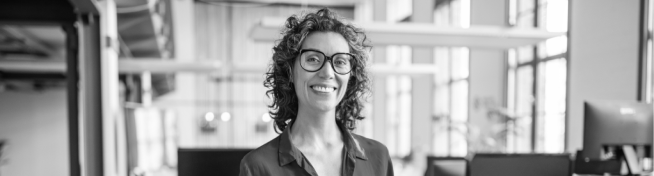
(603, 63)
(35, 126)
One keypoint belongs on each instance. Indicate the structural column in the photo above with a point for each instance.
(90, 95)
(113, 122)
(72, 78)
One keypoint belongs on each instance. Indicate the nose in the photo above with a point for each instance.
(326, 72)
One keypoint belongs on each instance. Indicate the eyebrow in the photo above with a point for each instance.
(323, 51)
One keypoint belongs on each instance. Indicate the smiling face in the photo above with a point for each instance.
(324, 89)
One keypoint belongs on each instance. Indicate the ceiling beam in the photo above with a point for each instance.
(155, 65)
(29, 41)
(422, 34)
(159, 65)
(33, 66)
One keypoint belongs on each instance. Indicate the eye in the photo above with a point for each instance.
(312, 59)
(341, 62)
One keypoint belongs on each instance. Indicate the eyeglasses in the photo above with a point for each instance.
(313, 60)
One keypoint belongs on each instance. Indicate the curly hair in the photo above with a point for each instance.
(284, 107)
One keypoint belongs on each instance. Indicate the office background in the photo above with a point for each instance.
(450, 77)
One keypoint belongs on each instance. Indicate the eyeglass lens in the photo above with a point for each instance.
(313, 61)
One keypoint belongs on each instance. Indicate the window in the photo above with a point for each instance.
(451, 102)
(648, 45)
(537, 80)
(451, 84)
(398, 103)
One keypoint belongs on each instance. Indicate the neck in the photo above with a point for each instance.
(315, 130)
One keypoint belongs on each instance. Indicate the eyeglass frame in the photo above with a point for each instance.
(327, 58)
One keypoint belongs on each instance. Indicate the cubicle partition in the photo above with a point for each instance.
(521, 164)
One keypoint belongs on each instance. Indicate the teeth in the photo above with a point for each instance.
(322, 89)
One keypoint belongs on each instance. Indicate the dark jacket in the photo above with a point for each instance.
(362, 157)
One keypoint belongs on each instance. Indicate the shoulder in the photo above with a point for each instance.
(266, 154)
(370, 146)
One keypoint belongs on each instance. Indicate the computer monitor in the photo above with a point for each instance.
(618, 131)
(446, 166)
(209, 162)
(616, 123)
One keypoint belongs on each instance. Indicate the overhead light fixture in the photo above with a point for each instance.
(266, 117)
(207, 123)
(262, 126)
(209, 116)
(225, 116)
(627, 111)
(426, 34)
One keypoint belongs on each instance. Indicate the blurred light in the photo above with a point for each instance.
(627, 111)
(465, 13)
(647, 164)
(225, 116)
(209, 116)
(265, 117)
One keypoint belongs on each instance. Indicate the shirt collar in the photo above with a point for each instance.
(288, 153)
(351, 144)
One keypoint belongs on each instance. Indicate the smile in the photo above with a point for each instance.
(323, 89)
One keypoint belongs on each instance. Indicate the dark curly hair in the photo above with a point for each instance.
(285, 102)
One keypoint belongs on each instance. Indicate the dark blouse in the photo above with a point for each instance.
(362, 156)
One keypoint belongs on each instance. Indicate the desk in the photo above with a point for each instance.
(646, 174)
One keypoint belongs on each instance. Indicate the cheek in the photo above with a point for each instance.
(297, 83)
(345, 83)
(299, 78)
(296, 75)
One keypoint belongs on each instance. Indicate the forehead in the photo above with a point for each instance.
(327, 42)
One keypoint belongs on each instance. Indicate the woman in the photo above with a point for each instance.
(317, 81)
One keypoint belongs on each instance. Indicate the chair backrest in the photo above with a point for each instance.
(205, 162)
(446, 166)
(521, 164)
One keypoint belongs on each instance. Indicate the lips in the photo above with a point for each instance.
(323, 88)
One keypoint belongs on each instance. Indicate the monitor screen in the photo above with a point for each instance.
(206, 162)
(614, 123)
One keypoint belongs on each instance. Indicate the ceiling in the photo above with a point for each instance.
(144, 27)
(32, 43)
(330, 3)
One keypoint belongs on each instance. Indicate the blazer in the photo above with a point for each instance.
(362, 157)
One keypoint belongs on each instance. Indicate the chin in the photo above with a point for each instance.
(325, 106)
